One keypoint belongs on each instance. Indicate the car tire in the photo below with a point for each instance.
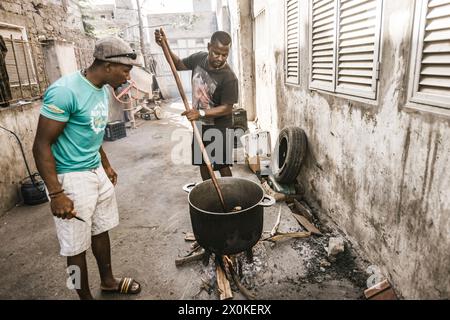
(288, 155)
(158, 113)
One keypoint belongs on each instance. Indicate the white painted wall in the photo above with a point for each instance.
(65, 54)
(379, 169)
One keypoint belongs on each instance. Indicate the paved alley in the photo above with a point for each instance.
(154, 219)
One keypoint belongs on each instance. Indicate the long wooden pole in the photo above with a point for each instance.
(165, 47)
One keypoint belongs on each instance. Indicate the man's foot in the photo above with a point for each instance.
(124, 285)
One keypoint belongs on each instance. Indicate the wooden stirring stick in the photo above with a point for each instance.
(165, 47)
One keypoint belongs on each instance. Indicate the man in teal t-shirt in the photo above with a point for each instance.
(79, 178)
(74, 100)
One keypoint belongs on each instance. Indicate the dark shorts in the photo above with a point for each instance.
(219, 143)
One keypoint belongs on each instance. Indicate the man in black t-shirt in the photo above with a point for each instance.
(214, 92)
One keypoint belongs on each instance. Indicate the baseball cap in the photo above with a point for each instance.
(113, 49)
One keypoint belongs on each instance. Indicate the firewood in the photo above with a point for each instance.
(303, 210)
(189, 236)
(223, 284)
(284, 236)
(194, 248)
(194, 257)
(307, 225)
(229, 264)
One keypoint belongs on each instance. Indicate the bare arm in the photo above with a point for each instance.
(219, 111)
(159, 36)
(105, 161)
(47, 132)
(112, 175)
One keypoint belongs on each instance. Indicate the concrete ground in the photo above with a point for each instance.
(154, 217)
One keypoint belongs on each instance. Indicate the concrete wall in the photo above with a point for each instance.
(243, 57)
(224, 24)
(49, 20)
(380, 170)
(121, 19)
(74, 15)
(60, 59)
(23, 121)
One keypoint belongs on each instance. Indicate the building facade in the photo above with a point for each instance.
(368, 82)
(40, 36)
(187, 33)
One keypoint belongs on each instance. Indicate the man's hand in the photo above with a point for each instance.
(159, 36)
(112, 175)
(62, 207)
(192, 115)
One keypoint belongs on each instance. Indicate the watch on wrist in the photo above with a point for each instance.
(202, 113)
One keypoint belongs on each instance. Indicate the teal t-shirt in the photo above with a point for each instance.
(84, 108)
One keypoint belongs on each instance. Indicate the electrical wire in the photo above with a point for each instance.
(31, 176)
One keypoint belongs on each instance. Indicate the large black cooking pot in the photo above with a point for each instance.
(227, 233)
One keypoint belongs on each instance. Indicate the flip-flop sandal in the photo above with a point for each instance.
(125, 287)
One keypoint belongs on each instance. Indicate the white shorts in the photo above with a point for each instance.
(94, 201)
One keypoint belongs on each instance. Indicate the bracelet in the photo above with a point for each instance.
(56, 196)
(55, 193)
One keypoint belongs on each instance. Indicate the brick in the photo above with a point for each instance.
(381, 291)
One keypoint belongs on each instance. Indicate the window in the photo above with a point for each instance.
(431, 54)
(292, 41)
(24, 82)
(18, 60)
(345, 44)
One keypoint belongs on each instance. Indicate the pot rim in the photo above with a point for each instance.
(229, 213)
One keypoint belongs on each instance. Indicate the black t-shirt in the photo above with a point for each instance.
(212, 88)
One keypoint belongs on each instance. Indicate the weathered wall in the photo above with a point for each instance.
(23, 121)
(44, 19)
(59, 59)
(120, 18)
(241, 27)
(57, 20)
(379, 170)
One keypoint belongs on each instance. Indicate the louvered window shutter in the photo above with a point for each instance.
(432, 71)
(323, 29)
(292, 42)
(358, 39)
